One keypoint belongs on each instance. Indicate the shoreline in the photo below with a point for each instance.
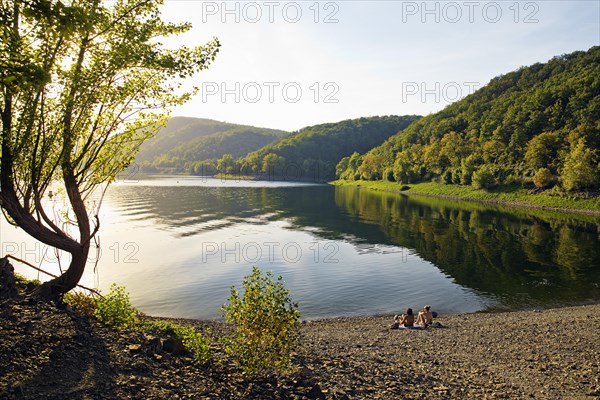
(520, 204)
(385, 320)
(510, 204)
(371, 185)
(379, 316)
(548, 354)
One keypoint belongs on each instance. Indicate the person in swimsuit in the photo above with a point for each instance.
(406, 320)
(425, 316)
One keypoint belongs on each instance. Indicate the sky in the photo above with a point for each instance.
(290, 64)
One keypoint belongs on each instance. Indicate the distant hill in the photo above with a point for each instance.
(313, 152)
(538, 125)
(185, 142)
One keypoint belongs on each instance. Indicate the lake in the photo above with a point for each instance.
(179, 243)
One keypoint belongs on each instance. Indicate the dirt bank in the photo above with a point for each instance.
(49, 353)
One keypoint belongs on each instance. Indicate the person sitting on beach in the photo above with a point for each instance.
(425, 316)
(406, 320)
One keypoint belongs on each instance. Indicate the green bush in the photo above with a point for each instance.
(447, 177)
(22, 280)
(581, 169)
(456, 176)
(193, 341)
(266, 324)
(115, 308)
(484, 178)
(467, 168)
(543, 178)
(81, 302)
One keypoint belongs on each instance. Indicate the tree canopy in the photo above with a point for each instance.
(313, 152)
(83, 84)
(186, 144)
(544, 116)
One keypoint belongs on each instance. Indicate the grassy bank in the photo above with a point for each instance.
(512, 195)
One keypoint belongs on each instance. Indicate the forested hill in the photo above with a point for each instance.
(313, 152)
(537, 125)
(185, 143)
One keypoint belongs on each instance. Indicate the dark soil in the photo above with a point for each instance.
(48, 352)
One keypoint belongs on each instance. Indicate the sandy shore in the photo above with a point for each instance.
(46, 353)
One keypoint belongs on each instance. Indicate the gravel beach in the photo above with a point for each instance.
(49, 353)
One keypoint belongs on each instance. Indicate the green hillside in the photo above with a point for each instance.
(538, 126)
(187, 142)
(313, 152)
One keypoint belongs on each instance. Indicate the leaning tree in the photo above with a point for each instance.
(83, 84)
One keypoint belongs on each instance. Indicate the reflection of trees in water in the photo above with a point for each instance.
(512, 254)
(489, 249)
(190, 210)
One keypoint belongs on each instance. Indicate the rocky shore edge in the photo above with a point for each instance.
(52, 353)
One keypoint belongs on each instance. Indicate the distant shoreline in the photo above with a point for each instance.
(263, 178)
(517, 199)
(429, 189)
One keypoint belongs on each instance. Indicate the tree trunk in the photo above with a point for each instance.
(56, 287)
(52, 289)
(22, 215)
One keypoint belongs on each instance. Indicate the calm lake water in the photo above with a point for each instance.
(180, 243)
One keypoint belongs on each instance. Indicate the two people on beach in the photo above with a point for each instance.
(407, 320)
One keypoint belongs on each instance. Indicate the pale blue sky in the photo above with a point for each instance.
(372, 57)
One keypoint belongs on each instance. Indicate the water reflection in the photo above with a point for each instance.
(523, 257)
(520, 259)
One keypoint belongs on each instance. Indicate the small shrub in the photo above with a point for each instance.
(23, 281)
(447, 177)
(81, 303)
(193, 341)
(484, 178)
(115, 308)
(581, 169)
(266, 324)
(456, 176)
(466, 177)
(158, 326)
(20, 279)
(543, 178)
(513, 179)
(468, 165)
